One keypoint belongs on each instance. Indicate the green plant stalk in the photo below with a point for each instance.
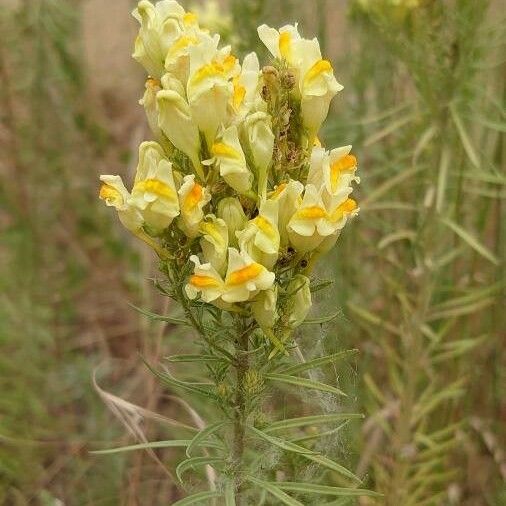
(240, 409)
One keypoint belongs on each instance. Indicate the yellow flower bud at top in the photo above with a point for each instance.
(231, 212)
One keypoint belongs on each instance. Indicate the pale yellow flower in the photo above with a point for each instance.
(192, 199)
(258, 128)
(314, 220)
(114, 194)
(154, 193)
(246, 87)
(176, 122)
(210, 87)
(288, 196)
(245, 278)
(160, 25)
(335, 170)
(317, 84)
(229, 157)
(148, 101)
(260, 239)
(205, 281)
(214, 242)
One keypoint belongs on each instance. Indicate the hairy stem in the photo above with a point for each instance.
(240, 409)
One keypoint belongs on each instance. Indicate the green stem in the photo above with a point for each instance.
(240, 410)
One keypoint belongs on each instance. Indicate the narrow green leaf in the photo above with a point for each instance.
(320, 286)
(304, 383)
(318, 435)
(319, 362)
(281, 443)
(194, 462)
(399, 235)
(371, 318)
(193, 358)
(157, 317)
(464, 137)
(203, 435)
(293, 423)
(471, 241)
(323, 319)
(387, 186)
(196, 498)
(275, 491)
(174, 443)
(334, 466)
(173, 382)
(310, 488)
(229, 493)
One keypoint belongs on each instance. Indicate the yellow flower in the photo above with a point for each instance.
(260, 239)
(114, 194)
(335, 170)
(246, 86)
(258, 127)
(210, 87)
(192, 200)
(288, 196)
(317, 84)
(205, 281)
(314, 220)
(154, 193)
(245, 278)
(214, 242)
(160, 24)
(229, 157)
(282, 44)
(153, 86)
(176, 122)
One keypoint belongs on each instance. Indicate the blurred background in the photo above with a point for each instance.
(420, 278)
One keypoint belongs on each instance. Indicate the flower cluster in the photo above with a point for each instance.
(236, 181)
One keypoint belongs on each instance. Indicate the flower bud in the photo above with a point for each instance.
(264, 308)
(261, 143)
(231, 212)
(175, 121)
(153, 86)
(300, 300)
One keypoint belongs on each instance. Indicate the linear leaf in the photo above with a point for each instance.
(311, 488)
(229, 493)
(318, 362)
(281, 443)
(304, 383)
(323, 319)
(157, 317)
(275, 491)
(464, 137)
(195, 462)
(334, 466)
(293, 423)
(471, 241)
(173, 382)
(196, 498)
(174, 443)
(201, 436)
(373, 319)
(193, 358)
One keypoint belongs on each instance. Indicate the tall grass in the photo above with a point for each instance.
(423, 276)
